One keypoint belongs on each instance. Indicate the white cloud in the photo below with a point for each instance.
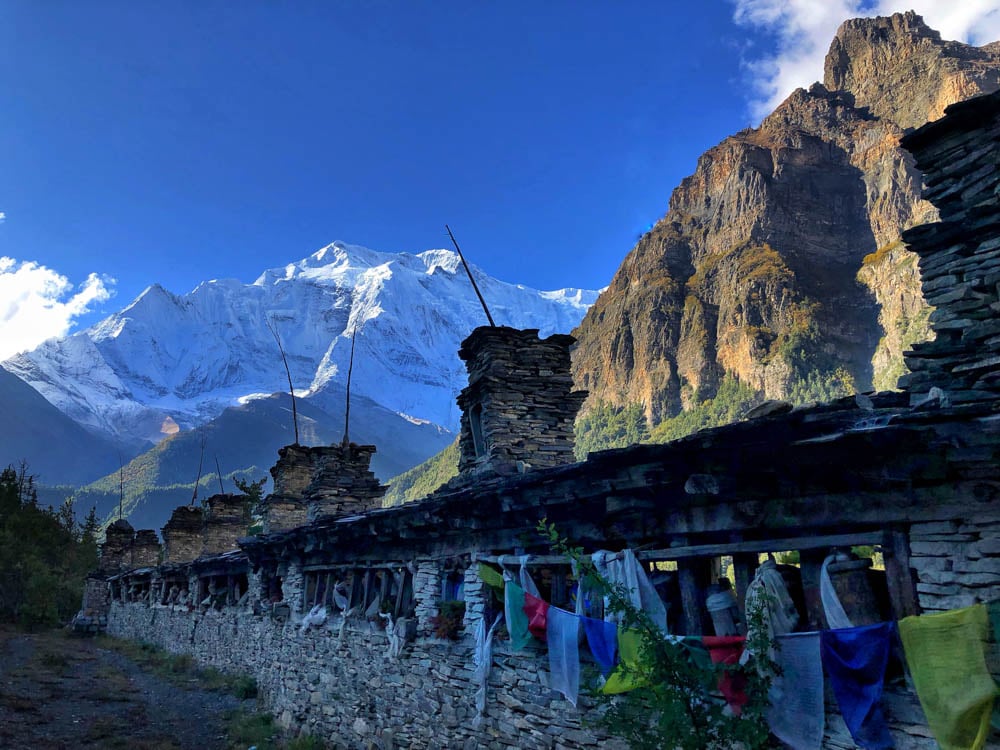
(37, 303)
(803, 30)
(3, 217)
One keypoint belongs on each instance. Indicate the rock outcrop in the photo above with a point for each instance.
(781, 254)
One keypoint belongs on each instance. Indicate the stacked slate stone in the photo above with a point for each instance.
(284, 508)
(116, 550)
(225, 521)
(182, 535)
(519, 407)
(960, 254)
(145, 549)
(343, 483)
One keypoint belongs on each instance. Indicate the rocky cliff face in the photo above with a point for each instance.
(781, 255)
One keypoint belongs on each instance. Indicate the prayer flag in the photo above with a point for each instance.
(855, 660)
(517, 620)
(603, 639)
(537, 611)
(946, 656)
(563, 638)
(727, 650)
(491, 576)
(796, 715)
(625, 678)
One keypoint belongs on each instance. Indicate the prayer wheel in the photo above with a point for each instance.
(851, 581)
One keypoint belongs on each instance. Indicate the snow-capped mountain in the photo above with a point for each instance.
(169, 362)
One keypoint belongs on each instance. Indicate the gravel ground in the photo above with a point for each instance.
(59, 691)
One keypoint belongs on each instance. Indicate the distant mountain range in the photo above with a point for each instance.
(168, 364)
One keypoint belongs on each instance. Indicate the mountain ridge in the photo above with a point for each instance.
(167, 362)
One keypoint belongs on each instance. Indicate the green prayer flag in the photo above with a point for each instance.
(946, 656)
(491, 576)
(517, 620)
(625, 677)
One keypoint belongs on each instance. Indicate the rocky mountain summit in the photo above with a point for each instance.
(169, 362)
(779, 261)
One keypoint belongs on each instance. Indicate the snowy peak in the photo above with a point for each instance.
(168, 360)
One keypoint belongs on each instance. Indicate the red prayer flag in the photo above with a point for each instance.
(727, 649)
(537, 612)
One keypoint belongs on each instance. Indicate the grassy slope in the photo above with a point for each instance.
(423, 479)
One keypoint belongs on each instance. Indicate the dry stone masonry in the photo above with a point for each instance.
(519, 407)
(344, 620)
(342, 482)
(182, 539)
(960, 254)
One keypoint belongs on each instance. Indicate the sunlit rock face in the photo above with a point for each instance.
(784, 244)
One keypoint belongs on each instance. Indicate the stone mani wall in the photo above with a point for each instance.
(957, 563)
(349, 693)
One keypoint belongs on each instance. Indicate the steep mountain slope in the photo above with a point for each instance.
(169, 362)
(57, 449)
(757, 268)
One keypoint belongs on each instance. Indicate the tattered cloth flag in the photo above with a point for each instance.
(796, 712)
(855, 660)
(946, 656)
(602, 636)
(727, 650)
(563, 639)
(483, 659)
(514, 614)
(626, 676)
(622, 569)
(537, 611)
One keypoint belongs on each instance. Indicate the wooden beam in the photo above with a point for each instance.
(902, 590)
(764, 545)
(810, 564)
(694, 577)
(744, 567)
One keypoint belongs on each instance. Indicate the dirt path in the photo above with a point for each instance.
(58, 691)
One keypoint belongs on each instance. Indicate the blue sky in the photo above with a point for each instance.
(182, 141)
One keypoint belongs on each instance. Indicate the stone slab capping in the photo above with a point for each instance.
(519, 406)
(960, 254)
(182, 536)
(342, 483)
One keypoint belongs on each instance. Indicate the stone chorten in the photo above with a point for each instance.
(284, 507)
(225, 519)
(960, 254)
(116, 550)
(182, 536)
(145, 549)
(519, 406)
(343, 483)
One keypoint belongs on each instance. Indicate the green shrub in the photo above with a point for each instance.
(244, 687)
(608, 426)
(731, 402)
